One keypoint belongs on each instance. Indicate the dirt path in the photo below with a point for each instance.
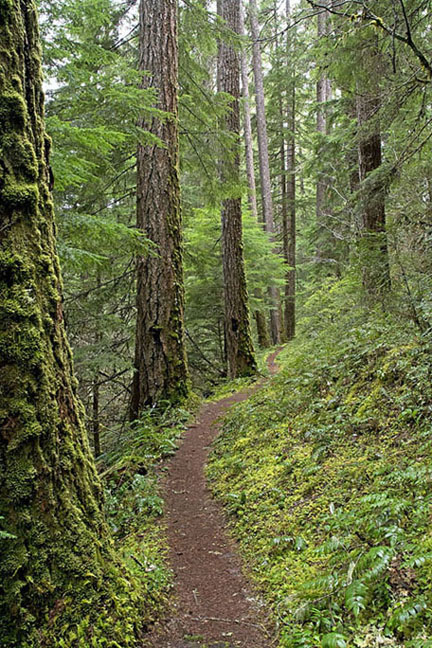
(215, 607)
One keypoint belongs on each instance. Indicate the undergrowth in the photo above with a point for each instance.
(130, 471)
(326, 474)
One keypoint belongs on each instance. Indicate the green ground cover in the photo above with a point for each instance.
(326, 474)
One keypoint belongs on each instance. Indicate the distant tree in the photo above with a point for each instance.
(373, 238)
(264, 164)
(160, 360)
(239, 347)
(288, 153)
(260, 319)
(322, 86)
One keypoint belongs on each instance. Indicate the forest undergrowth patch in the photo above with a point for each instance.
(326, 475)
(134, 506)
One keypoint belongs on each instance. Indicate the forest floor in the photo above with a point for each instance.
(215, 606)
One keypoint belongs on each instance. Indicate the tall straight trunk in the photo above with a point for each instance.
(260, 319)
(373, 239)
(323, 94)
(247, 125)
(290, 238)
(50, 494)
(264, 165)
(288, 187)
(352, 162)
(160, 359)
(239, 347)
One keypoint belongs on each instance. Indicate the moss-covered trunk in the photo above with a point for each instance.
(49, 491)
(160, 357)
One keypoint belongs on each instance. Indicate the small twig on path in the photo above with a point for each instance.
(138, 562)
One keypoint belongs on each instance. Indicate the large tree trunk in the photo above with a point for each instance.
(160, 359)
(50, 495)
(260, 320)
(240, 353)
(266, 194)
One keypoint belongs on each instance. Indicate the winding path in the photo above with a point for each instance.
(215, 607)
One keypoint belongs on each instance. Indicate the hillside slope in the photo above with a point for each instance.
(326, 475)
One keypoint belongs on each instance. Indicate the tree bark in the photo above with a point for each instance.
(95, 418)
(266, 194)
(50, 494)
(323, 94)
(373, 239)
(288, 187)
(260, 320)
(161, 373)
(239, 347)
(250, 167)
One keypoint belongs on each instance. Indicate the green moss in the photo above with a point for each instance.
(326, 474)
(17, 196)
(13, 110)
(61, 582)
(21, 155)
(6, 6)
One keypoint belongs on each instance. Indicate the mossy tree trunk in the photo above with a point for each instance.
(239, 347)
(160, 359)
(50, 495)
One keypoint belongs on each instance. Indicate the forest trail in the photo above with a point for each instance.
(215, 607)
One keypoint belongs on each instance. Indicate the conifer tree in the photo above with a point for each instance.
(50, 494)
(239, 347)
(260, 320)
(264, 165)
(289, 188)
(160, 360)
(323, 95)
(373, 238)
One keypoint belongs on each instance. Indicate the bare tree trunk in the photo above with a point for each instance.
(240, 353)
(289, 196)
(323, 94)
(250, 167)
(266, 195)
(260, 320)
(352, 161)
(160, 358)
